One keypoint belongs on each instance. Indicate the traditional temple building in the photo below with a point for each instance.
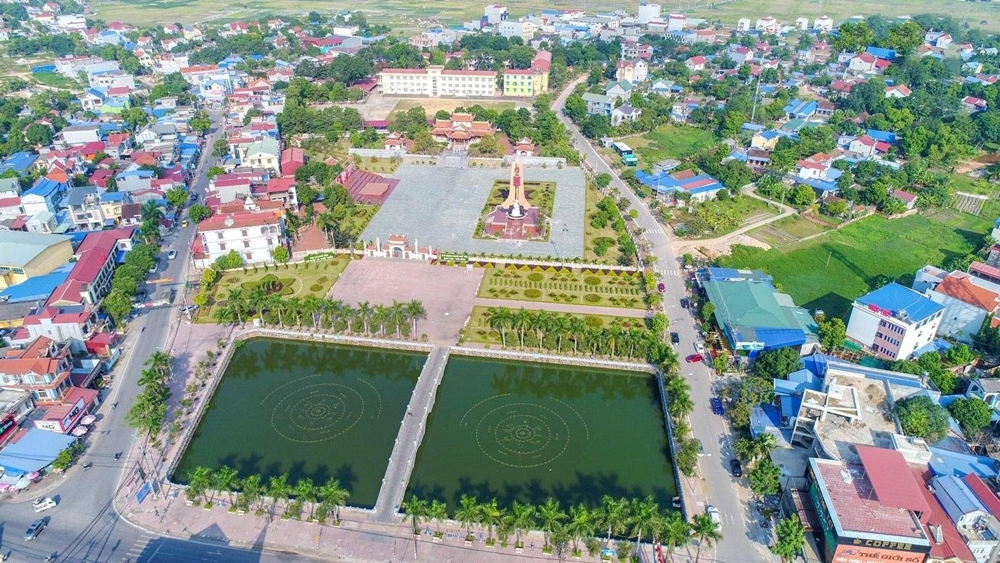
(515, 218)
(461, 130)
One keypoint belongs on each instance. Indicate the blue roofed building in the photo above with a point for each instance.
(19, 162)
(882, 53)
(45, 195)
(947, 462)
(882, 136)
(699, 186)
(754, 315)
(800, 109)
(894, 321)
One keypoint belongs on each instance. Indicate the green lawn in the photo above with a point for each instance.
(378, 165)
(829, 272)
(55, 80)
(575, 287)
(670, 141)
(293, 280)
(786, 231)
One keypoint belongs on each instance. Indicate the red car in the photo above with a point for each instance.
(694, 358)
(661, 287)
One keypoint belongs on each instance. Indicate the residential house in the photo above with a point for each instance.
(111, 207)
(897, 91)
(634, 71)
(695, 64)
(894, 321)
(909, 199)
(598, 104)
(800, 109)
(265, 153)
(862, 63)
(973, 104)
(823, 24)
(619, 90)
(978, 526)
(84, 203)
(700, 187)
(81, 134)
(42, 368)
(43, 196)
(291, 160)
(966, 306)
(73, 324)
(624, 112)
(254, 236)
(97, 257)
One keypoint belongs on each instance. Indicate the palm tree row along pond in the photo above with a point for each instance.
(263, 497)
(316, 313)
(580, 528)
(562, 332)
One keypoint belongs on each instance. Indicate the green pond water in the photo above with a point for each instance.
(521, 431)
(307, 409)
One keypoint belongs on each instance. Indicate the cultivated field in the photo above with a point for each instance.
(786, 231)
(419, 14)
(828, 272)
(669, 141)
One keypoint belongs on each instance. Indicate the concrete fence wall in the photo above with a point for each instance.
(378, 153)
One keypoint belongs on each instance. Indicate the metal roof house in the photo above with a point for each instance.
(753, 315)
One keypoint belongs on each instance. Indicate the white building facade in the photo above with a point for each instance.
(435, 82)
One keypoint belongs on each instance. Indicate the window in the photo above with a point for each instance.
(219, 235)
(222, 246)
(246, 244)
(249, 255)
(244, 233)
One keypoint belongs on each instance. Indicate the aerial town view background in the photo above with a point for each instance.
(452, 282)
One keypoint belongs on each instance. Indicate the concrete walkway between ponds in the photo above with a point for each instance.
(411, 433)
(563, 307)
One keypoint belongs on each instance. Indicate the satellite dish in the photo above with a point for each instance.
(229, 221)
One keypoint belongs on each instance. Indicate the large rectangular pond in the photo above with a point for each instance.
(307, 409)
(522, 431)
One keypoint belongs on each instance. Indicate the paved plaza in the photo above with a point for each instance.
(447, 293)
(440, 207)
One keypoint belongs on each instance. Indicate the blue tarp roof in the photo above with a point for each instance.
(898, 300)
(884, 136)
(882, 53)
(19, 162)
(35, 450)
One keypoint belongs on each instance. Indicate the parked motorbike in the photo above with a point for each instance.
(118, 456)
(87, 465)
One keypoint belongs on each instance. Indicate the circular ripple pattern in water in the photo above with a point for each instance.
(317, 408)
(524, 434)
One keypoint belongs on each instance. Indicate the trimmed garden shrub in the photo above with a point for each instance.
(535, 277)
(532, 293)
(592, 298)
(592, 280)
(593, 322)
(315, 287)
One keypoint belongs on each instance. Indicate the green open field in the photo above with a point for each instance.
(406, 14)
(786, 231)
(669, 141)
(829, 272)
(55, 80)
(723, 217)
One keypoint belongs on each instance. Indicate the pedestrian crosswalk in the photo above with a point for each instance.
(669, 273)
(136, 552)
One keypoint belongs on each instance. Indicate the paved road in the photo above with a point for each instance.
(85, 525)
(411, 432)
(719, 489)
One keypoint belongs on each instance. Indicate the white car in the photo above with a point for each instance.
(171, 255)
(43, 504)
(716, 518)
(699, 347)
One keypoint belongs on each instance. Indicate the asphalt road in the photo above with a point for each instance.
(85, 526)
(741, 538)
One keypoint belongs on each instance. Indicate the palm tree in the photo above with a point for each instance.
(225, 479)
(467, 512)
(491, 515)
(437, 511)
(580, 525)
(754, 449)
(311, 306)
(256, 299)
(612, 336)
(520, 321)
(365, 314)
(703, 528)
(275, 304)
(159, 361)
(643, 517)
(559, 324)
(539, 322)
(523, 518)
(550, 515)
(327, 223)
(294, 305)
(612, 516)
(498, 319)
(251, 491)
(415, 310)
(397, 314)
(199, 481)
(333, 497)
(305, 491)
(235, 304)
(674, 532)
(279, 489)
(381, 314)
(577, 328)
(415, 509)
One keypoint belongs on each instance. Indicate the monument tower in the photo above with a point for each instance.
(517, 202)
